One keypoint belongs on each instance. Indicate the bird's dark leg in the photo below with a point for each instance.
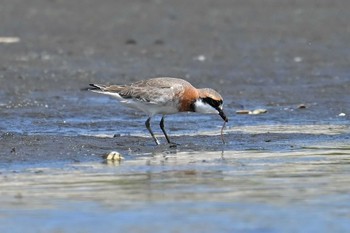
(162, 127)
(148, 126)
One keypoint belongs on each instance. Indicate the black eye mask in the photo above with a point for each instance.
(216, 104)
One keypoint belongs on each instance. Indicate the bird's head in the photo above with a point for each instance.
(209, 101)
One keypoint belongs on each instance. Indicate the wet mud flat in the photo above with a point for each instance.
(286, 170)
(298, 174)
(202, 191)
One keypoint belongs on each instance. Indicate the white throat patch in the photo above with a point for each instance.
(201, 107)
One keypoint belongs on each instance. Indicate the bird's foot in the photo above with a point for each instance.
(173, 144)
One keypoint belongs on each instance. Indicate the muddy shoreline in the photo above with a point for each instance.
(36, 149)
(286, 170)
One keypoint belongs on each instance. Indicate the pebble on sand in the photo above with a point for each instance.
(242, 111)
(9, 40)
(298, 59)
(201, 58)
(258, 111)
(252, 112)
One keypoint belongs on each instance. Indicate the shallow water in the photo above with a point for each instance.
(303, 190)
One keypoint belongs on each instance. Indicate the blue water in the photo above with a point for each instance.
(303, 190)
(178, 216)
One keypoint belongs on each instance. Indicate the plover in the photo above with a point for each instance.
(164, 95)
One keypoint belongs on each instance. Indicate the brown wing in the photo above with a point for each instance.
(156, 90)
(161, 82)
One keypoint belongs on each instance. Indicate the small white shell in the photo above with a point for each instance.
(113, 156)
(258, 111)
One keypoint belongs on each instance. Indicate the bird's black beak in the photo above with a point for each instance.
(223, 116)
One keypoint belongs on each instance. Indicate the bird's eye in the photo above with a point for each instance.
(212, 102)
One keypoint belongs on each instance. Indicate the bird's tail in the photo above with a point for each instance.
(112, 90)
(97, 87)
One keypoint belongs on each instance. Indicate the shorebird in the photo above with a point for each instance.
(164, 96)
